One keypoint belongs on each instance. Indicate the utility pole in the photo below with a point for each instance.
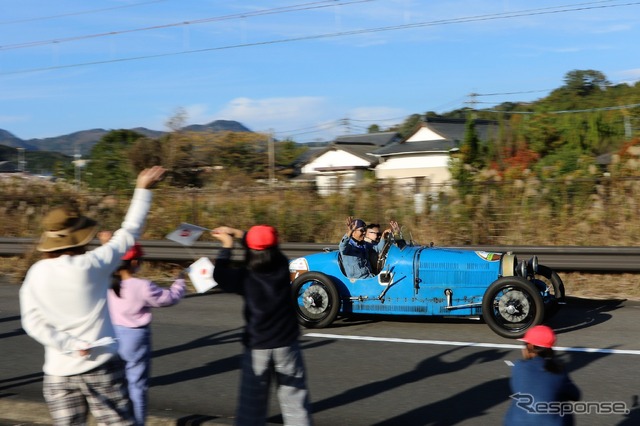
(21, 162)
(77, 169)
(628, 131)
(347, 126)
(272, 158)
(472, 103)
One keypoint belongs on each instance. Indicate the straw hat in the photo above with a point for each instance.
(64, 227)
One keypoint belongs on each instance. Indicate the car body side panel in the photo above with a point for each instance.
(415, 280)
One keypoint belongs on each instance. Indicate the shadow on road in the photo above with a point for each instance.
(583, 313)
(488, 395)
(19, 381)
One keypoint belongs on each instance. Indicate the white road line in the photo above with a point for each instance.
(468, 344)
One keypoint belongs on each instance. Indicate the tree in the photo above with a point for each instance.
(408, 127)
(585, 82)
(288, 151)
(238, 151)
(146, 153)
(470, 147)
(464, 165)
(109, 166)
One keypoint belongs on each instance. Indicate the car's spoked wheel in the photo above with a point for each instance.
(316, 300)
(511, 305)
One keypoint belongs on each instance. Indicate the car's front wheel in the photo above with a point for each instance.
(316, 299)
(511, 305)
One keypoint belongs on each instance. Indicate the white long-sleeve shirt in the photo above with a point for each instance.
(63, 301)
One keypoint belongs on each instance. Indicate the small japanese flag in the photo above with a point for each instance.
(186, 234)
(201, 275)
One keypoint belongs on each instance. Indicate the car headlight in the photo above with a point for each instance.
(521, 269)
(533, 265)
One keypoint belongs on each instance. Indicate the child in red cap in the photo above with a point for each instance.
(540, 386)
(271, 332)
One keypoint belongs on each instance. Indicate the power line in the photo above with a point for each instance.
(319, 127)
(522, 92)
(506, 15)
(511, 93)
(284, 9)
(378, 119)
(64, 15)
(609, 108)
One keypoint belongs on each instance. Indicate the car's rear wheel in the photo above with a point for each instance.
(316, 300)
(511, 305)
(551, 284)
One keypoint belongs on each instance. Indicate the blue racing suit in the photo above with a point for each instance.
(355, 258)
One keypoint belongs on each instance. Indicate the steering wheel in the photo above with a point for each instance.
(382, 257)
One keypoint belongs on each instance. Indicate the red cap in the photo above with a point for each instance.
(134, 252)
(540, 335)
(261, 237)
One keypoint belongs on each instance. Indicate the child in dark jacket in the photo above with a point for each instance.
(271, 332)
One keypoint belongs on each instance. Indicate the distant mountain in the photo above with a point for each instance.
(82, 141)
(153, 134)
(217, 126)
(9, 139)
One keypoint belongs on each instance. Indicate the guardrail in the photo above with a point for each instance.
(560, 258)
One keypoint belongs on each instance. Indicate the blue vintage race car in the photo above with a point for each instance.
(510, 295)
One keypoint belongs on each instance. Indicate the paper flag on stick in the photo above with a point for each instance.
(186, 234)
(201, 275)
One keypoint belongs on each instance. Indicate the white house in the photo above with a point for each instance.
(421, 162)
(344, 163)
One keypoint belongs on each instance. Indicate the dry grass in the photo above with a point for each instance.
(602, 286)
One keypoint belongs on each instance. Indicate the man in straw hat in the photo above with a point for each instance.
(63, 302)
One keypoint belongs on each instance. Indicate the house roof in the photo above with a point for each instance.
(379, 139)
(8, 167)
(359, 145)
(440, 145)
(451, 129)
(359, 150)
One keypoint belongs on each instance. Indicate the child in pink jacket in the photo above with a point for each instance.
(130, 302)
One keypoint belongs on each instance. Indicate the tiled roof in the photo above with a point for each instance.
(359, 145)
(379, 139)
(451, 129)
(442, 145)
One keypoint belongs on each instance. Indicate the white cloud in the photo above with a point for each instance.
(279, 114)
(630, 76)
(197, 113)
(378, 114)
(8, 119)
(616, 28)
(305, 118)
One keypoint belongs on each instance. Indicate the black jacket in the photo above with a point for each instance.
(268, 306)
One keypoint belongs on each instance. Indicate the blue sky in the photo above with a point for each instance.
(306, 69)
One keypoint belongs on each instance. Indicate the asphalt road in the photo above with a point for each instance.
(362, 371)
